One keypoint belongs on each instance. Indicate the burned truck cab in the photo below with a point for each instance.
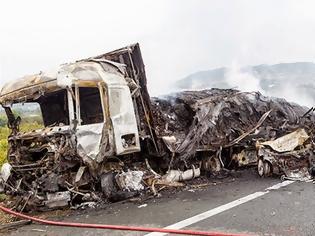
(94, 113)
(89, 100)
(100, 106)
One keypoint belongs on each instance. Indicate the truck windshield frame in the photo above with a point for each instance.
(89, 105)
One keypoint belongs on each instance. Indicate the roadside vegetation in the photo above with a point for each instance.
(28, 124)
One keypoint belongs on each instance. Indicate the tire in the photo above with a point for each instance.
(260, 167)
(267, 168)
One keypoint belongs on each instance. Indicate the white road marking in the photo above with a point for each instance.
(280, 185)
(222, 208)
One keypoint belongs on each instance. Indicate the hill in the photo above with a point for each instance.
(292, 81)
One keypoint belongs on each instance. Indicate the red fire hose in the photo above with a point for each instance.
(115, 227)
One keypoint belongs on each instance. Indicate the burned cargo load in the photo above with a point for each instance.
(225, 128)
(104, 138)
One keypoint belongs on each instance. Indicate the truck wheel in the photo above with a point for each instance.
(267, 168)
(211, 164)
(260, 167)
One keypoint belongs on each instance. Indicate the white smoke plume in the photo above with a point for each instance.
(291, 93)
(247, 82)
(243, 81)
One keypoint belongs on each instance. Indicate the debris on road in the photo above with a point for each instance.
(15, 224)
(5, 173)
(143, 205)
(178, 176)
(130, 180)
(291, 154)
(106, 140)
(58, 199)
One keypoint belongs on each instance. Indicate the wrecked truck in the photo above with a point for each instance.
(106, 139)
(94, 110)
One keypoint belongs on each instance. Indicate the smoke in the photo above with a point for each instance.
(246, 81)
(293, 93)
(243, 81)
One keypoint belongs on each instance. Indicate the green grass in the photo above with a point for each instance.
(4, 133)
(3, 197)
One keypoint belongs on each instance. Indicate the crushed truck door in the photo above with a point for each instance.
(123, 119)
(107, 123)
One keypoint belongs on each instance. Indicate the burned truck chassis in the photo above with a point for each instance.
(47, 173)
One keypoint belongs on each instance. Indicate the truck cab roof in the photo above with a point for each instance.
(84, 71)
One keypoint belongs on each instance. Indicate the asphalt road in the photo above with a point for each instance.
(288, 210)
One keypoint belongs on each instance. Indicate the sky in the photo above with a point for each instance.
(177, 37)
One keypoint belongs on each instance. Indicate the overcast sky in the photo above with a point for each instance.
(177, 37)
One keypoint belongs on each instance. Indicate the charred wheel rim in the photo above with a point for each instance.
(260, 167)
(267, 168)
